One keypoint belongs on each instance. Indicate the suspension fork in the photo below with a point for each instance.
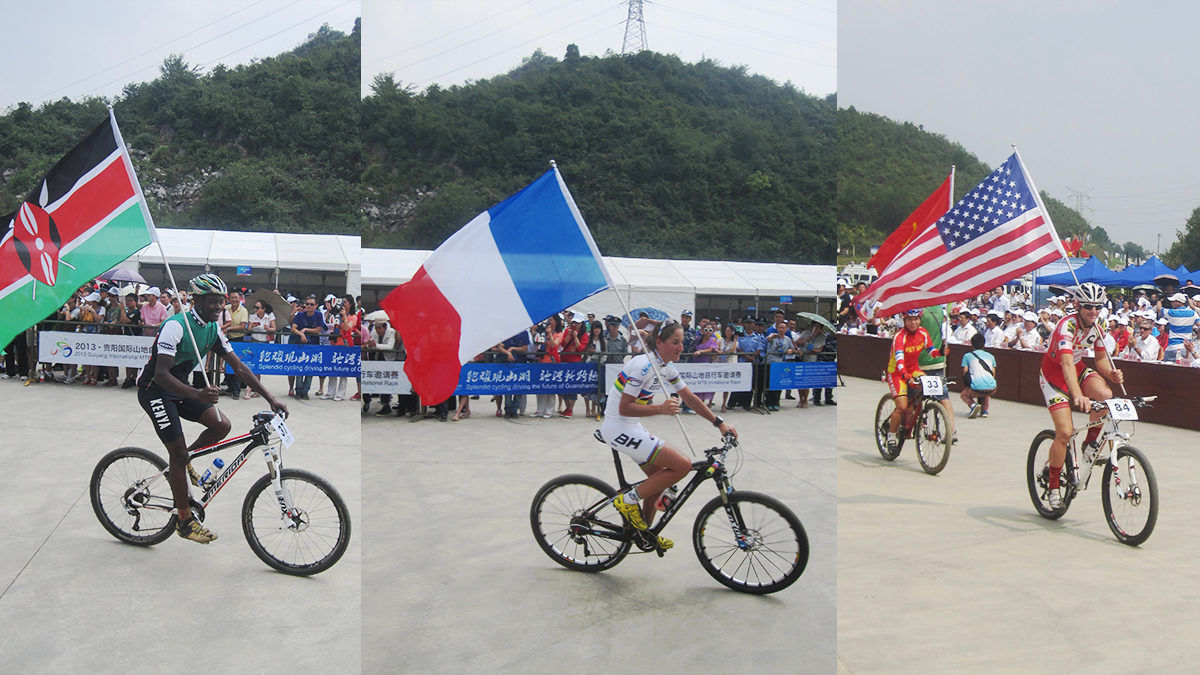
(275, 470)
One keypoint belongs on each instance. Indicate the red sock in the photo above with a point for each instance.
(1054, 472)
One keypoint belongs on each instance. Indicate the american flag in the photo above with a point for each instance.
(994, 234)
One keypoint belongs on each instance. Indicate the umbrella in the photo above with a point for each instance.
(282, 309)
(122, 274)
(655, 314)
(818, 319)
(377, 315)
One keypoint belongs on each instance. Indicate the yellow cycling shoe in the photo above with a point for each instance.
(631, 512)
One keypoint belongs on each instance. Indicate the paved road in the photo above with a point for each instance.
(958, 573)
(454, 579)
(74, 599)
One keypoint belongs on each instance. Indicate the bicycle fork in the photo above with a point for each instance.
(290, 513)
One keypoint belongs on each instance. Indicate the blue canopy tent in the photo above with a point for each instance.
(1092, 270)
(1183, 274)
(1149, 272)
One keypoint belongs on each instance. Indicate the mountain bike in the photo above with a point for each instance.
(748, 541)
(294, 521)
(1130, 494)
(930, 429)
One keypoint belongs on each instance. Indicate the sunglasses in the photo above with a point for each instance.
(310, 304)
(1089, 306)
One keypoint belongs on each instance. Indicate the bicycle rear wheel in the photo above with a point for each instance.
(883, 413)
(576, 525)
(1130, 496)
(933, 437)
(308, 544)
(1037, 474)
(768, 556)
(131, 497)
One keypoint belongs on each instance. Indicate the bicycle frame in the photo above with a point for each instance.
(260, 436)
(711, 467)
(1110, 440)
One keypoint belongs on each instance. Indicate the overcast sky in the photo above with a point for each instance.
(1100, 96)
(426, 42)
(78, 48)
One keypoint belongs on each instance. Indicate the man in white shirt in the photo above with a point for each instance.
(994, 335)
(961, 335)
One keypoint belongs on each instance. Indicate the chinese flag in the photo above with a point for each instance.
(925, 215)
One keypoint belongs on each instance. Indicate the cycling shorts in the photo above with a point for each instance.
(165, 409)
(632, 439)
(898, 385)
(1056, 398)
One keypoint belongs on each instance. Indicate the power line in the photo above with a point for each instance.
(485, 19)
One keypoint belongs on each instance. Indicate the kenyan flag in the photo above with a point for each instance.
(85, 216)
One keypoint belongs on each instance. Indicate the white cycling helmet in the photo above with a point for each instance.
(1090, 292)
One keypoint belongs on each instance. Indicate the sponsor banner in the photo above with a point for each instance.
(94, 349)
(266, 358)
(704, 377)
(384, 377)
(802, 375)
(527, 378)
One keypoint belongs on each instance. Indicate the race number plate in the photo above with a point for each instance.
(282, 430)
(932, 385)
(1121, 409)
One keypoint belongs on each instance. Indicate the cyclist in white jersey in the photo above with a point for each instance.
(631, 397)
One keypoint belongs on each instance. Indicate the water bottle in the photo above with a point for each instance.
(665, 499)
(210, 474)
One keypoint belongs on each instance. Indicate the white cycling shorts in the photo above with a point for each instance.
(632, 439)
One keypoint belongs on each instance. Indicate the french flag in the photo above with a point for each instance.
(509, 268)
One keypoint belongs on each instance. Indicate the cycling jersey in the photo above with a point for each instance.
(164, 407)
(1070, 336)
(174, 343)
(637, 379)
(906, 352)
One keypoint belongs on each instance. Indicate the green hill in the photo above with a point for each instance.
(273, 145)
(665, 158)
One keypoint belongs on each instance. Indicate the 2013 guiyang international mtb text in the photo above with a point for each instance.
(746, 540)
(295, 521)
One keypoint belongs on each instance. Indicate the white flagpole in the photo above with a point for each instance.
(1045, 214)
(154, 233)
(625, 307)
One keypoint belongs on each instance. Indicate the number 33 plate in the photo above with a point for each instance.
(1121, 409)
(931, 385)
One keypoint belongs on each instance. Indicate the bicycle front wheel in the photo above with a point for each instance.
(308, 543)
(132, 498)
(1037, 474)
(576, 525)
(933, 437)
(1130, 496)
(883, 412)
(767, 553)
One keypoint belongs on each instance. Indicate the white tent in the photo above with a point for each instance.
(266, 250)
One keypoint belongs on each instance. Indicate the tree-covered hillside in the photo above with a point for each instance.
(273, 145)
(886, 169)
(665, 159)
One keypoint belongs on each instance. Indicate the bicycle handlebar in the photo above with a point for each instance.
(1139, 401)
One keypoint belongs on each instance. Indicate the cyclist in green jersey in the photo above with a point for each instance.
(166, 397)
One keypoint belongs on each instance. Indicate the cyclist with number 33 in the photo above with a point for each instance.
(630, 397)
(904, 367)
(165, 395)
(1067, 381)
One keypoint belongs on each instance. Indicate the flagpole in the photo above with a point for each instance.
(629, 314)
(154, 236)
(1038, 196)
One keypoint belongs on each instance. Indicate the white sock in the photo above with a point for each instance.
(632, 497)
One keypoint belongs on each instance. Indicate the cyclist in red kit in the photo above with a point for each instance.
(1067, 381)
(904, 368)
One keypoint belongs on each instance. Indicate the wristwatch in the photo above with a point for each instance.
(718, 422)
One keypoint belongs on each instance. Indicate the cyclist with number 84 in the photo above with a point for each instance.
(1067, 382)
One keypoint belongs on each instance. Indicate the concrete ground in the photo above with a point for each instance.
(74, 599)
(958, 573)
(455, 581)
